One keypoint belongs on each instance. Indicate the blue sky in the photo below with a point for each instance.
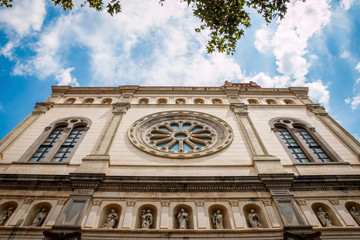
(317, 45)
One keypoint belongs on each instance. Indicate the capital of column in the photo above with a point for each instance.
(42, 107)
(120, 107)
(317, 109)
(239, 108)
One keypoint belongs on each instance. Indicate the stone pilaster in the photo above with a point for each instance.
(263, 162)
(98, 161)
(39, 109)
(344, 135)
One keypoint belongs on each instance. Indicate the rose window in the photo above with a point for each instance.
(180, 134)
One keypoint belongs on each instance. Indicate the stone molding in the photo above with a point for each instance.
(334, 201)
(130, 203)
(267, 202)
(301, 202)
(103, 183)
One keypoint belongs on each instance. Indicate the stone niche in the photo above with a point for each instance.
(315, 207)
(188, 210)
(31, 215)
(154, 212)
(225, 215)
(106, 211)
(258, 210)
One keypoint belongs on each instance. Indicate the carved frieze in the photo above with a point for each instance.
(239, 108)
(316, 109)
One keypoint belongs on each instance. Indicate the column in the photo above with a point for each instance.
(164, 219)
(90, 221)
(344, 135)
(344, 213)
(239, 218)
(128, 214)
(98, 161)
(18, 219)
(200, 215)
(39, 109)
(56, 213)
(270, 210)
(263, 162)
(309, 215)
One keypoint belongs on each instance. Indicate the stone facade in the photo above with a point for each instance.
(131, 162)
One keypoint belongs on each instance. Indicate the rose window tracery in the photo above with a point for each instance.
(180, 134)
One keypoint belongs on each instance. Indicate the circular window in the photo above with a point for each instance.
(180, 134)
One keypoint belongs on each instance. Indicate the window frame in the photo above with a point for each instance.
(70, 123)
(292, 125)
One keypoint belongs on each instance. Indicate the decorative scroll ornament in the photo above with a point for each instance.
(180, 134)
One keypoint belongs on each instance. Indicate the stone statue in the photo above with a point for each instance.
(146, 219)
(39, 217)
(5, 215)
(180, 101)
(324, 218)
(254, 219)
(217, 219)
(182, 218)
(216, 101)
(111, 219)
(355, 213)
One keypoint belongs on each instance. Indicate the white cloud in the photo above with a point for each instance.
(64, 77)
(289, 44)
(355, 102)
(263, 39)
(345, 54)
(23, 17)
(319, 92)
(348, 100)
(358, 67)
(346, 4)
(145, 44)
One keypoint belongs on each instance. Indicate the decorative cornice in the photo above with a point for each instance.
(178, 184)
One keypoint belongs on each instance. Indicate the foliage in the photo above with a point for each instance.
(226, 19)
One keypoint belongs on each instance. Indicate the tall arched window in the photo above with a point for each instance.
(45, 147)
(302, 141)
(57, 142)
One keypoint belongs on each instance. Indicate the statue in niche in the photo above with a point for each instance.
(216, 101)
(39, 218)
(5, 215)
(146, 219)
(324, 218)
(182, 218)
(217, 219)
(355, 213)
(162, 101)
(111, 219)
(180, 101)
(254, 219)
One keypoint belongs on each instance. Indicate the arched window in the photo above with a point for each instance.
(303, 142)
(47, 144)
(57, 142)
(69, 144)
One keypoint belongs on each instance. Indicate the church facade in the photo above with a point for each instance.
(139, 162)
